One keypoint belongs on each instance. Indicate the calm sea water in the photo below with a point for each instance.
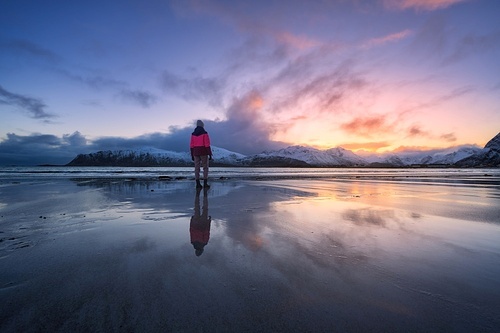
(473, 176)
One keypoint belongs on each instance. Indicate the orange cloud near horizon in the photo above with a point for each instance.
(368, 146)
(365, 126)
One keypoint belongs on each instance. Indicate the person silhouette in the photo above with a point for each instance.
(199, 227)
(201, 153)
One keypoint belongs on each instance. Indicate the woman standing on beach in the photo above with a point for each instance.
(200, 153)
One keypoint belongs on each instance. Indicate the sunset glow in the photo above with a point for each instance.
(364, 75)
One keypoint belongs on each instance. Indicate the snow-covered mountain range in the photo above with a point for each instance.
(300, 156)
(149, 156)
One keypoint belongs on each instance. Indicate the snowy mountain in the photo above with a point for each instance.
(224, 156)
(412, 158)
(385, 160)
(300, 156)
(494, 144)
(315, 157)
(149, 156)
(132, 157)
(489, 156)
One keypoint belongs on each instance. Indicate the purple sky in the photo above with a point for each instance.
(373, 75)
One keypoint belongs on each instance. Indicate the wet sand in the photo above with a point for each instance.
(317, 255)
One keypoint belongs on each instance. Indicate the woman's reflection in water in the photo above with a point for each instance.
(199, 228)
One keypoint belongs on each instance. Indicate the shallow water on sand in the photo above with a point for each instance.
(358, 254)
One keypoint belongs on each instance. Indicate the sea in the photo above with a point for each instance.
(479, 176)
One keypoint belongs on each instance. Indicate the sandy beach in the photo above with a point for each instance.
(301, 255)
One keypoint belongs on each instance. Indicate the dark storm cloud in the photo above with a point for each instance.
(74, 140)
(34, 107)
(41, 148)
(177, 140)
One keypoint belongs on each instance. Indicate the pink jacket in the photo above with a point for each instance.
(200, 143)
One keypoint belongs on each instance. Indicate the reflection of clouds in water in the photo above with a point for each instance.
(290, 251)
(368, 216)
(247, 213)
(245, 228)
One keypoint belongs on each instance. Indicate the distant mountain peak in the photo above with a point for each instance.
(316, 157)
(494, 144)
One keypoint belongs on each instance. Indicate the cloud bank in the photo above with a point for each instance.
(41, 148)
(241, 132)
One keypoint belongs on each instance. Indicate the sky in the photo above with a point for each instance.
(366, 75)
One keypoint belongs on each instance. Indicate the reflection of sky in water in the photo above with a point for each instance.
(283, 251)
(337, 238)
(349, 229)
(399, 220)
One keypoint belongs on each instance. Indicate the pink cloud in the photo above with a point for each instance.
(365, 126)
(420, 4)
(387, 39)
(298, 42)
